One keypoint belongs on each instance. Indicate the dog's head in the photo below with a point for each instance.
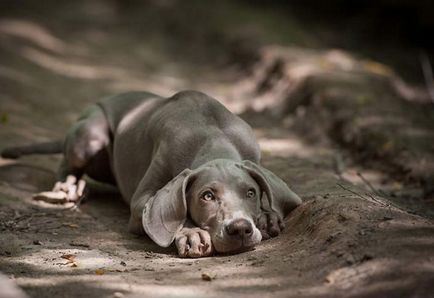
(223, 197)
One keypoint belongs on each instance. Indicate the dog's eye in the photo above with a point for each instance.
(251, 193)
(208, 196)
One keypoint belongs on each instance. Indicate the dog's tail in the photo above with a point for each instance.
(38, 148)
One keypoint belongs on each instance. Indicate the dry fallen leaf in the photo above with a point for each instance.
(71, 225)
(207, 277)
(377, 68)
(70, 258)
(99, 271)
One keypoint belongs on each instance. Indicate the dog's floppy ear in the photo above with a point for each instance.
(166, 212)
(280, 197)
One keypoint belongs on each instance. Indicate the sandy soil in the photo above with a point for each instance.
(345, 240)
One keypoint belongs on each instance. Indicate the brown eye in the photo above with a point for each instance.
(251, 193)
(208, 196)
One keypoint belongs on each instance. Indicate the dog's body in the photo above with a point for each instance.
(188, 168)
(181, 132)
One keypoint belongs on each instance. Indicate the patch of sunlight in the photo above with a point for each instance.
(118, 79)
(285, 147)
(55, 280)
(161, 290)
(235, 106)
(354, 176)
(410, 93)
(249, 276)
(6, 162)
(348, 277)
(32, 32)
(257, 281)
(162, 85)
(301, 71)
(70, 69)
(169, 290)
(117, 283)
(127, 121)
(340, 59)
(81, 259)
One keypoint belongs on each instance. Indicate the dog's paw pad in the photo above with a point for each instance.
(53, 197)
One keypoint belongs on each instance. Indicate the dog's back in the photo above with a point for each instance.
(185, 130)
(192, 121)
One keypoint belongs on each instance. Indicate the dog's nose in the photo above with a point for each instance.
(240, 228)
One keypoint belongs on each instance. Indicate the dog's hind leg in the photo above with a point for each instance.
(85, 150)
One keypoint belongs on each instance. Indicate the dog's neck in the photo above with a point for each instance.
(215, 149)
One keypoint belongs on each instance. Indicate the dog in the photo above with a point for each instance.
(188, 168)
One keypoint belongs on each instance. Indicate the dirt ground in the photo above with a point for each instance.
(365, 228)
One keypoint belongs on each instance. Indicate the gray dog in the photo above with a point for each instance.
(188, 168)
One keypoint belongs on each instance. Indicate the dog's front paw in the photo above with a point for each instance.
(193, 243)
(270, 224)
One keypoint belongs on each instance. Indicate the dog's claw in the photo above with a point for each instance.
(193, 243)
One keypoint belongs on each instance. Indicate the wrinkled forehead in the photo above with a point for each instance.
(229, 175)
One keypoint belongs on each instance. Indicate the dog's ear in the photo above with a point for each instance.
(279, 196)
(166, 212)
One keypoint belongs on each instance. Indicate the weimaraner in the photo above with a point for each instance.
(188, 168)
